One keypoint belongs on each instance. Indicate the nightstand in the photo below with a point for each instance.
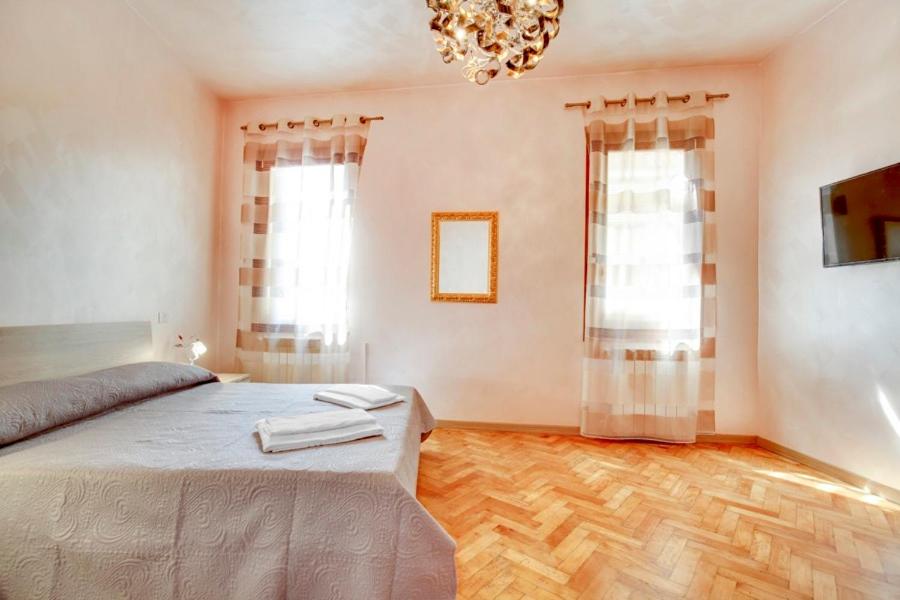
(234, 377)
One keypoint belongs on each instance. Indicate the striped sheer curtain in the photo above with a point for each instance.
(300, 184)
(650, 293)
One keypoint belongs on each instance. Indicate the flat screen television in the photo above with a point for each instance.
(861, 218)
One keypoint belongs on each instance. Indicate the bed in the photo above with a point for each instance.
(170, 496)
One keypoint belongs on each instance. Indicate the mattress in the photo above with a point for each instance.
(171, 497)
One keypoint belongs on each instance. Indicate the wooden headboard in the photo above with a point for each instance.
(45, 351)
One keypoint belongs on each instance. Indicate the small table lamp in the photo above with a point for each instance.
(196, 349)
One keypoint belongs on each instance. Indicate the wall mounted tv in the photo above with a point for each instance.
(861, 218)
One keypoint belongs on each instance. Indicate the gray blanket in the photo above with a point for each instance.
(172, 498)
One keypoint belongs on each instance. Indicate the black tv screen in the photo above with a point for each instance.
(861, 218)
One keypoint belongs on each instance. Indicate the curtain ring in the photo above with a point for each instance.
(290, 124)
(652, 100)
(262, 126)
(362, 120)
(315, 122)
(686, 98)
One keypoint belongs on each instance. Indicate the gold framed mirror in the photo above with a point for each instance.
(464, 256)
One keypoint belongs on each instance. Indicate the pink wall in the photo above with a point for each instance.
(108, 157)
(829, 340)
(508, 146)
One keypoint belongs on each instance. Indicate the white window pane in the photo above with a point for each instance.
(313, 240)
(652, 277)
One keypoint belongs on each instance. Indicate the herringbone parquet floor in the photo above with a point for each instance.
(544, 516)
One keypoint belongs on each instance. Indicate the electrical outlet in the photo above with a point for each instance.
(162, 317)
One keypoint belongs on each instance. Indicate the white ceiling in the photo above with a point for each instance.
(252, 48)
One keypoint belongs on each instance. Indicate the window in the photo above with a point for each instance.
(311, 240)
(653, 256)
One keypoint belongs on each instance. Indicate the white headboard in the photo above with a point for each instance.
(45, 351)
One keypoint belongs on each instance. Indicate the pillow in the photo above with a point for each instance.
(35, 406)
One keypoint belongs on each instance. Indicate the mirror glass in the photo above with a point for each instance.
(464, 257)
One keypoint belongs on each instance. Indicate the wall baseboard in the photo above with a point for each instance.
(844, 475)
(510, 427)
(734, 439)
(707, 438)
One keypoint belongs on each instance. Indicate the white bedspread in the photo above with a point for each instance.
(172, 498)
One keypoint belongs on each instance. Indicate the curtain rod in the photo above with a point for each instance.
(316, 122)
(652, 100)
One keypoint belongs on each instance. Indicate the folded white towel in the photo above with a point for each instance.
(318, 421)
(361, 396)
(297, 441)
(316, 429)
(369, 393)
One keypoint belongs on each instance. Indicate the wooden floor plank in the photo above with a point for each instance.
(541, 516)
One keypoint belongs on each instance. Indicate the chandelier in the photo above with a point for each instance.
(487, 35)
